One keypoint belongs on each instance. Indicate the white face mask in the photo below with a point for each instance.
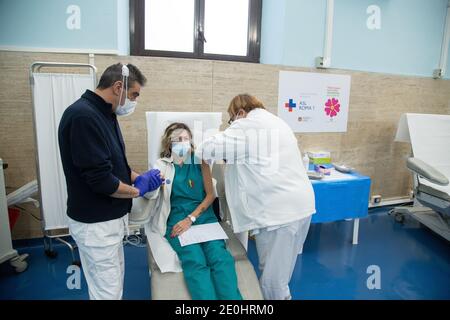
(128, 106)
(181, 149)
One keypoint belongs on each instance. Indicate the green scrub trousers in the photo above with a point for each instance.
(208, 267)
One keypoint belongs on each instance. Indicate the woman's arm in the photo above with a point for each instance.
(208, 185)
(186, 223)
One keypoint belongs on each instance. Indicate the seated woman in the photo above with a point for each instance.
(185, 200)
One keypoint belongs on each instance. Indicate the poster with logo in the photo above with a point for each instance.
(314, 102)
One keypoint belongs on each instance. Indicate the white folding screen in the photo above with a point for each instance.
(52, 94)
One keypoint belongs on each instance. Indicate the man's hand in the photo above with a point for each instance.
(148, 181)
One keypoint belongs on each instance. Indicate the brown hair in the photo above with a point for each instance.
(166, 142)
(245, 102)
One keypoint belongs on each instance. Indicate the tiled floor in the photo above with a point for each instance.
(414, 263)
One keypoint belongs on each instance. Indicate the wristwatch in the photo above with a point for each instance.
(192, 218)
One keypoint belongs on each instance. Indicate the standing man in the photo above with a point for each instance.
(99, 179)
(268, 191)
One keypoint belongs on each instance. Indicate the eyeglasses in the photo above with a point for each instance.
(232, 119)
(235, 116)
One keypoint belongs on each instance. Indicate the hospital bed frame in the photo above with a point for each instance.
(432, 206)
(17, 261)
(56, 234)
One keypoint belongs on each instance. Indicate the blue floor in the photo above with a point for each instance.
(414, 264)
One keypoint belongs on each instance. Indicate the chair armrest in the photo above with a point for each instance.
(426, 171)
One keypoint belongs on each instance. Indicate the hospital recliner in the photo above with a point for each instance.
(172, 286)
(438, 218)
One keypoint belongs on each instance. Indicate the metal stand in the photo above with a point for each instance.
(355, 231)
(48, 237)
(6, 249)
(429, 218)
(52, 254)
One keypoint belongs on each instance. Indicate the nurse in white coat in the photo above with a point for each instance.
(267, 188)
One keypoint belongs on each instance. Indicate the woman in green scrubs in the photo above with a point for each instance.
(208, 267)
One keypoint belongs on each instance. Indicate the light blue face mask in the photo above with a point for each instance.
(181, 149)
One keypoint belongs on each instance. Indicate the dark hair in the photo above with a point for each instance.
(114, 73)
(166, 144)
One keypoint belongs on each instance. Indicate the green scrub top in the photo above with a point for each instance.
(187, 193)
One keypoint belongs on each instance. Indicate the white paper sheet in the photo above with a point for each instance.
(336, 175)
(202, 233)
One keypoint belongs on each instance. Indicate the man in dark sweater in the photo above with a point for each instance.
(98, 178)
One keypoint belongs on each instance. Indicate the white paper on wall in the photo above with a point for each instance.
(314, 102)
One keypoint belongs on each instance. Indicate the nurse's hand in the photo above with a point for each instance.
(181, 227)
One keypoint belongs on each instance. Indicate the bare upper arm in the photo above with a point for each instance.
(207, 178)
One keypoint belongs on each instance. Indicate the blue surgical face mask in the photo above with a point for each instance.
(127, 108)
(181, 149)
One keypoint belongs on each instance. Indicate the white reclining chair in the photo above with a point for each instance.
(171, 285)
(430, 139)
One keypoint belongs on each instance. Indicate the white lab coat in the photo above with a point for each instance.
(266, 188)
(156, 209)
(267, 192)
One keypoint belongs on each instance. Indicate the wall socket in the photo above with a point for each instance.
(375, 199)
(437, 74)
(320, 63)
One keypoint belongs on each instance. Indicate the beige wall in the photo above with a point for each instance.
(376, 103)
